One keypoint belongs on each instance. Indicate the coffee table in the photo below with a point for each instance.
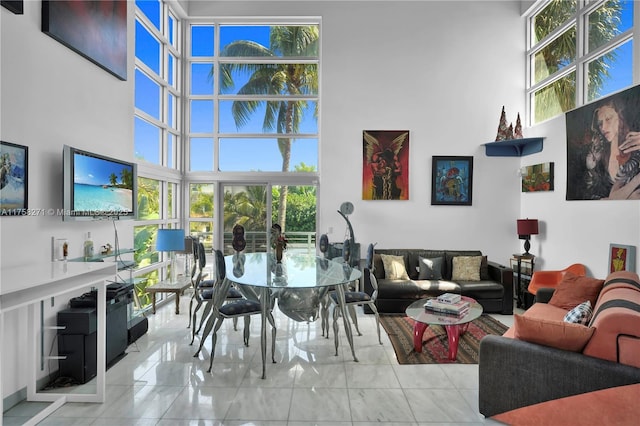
(454, 325)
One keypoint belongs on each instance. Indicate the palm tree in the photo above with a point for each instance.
(113, 179)
(560, 96)
(276, 79)
(247, 208)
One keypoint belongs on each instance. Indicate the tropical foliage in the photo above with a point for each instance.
(269, 80)
(560, 95)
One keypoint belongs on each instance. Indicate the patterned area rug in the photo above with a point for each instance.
(435, 348)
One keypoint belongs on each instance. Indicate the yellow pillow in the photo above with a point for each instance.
(466, 268)
(394, 267)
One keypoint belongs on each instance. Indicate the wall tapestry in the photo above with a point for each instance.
(603, 148)
(622, 258)
(452, 181)
(538, 177)
(385, 165)
(96, 30)
(14, 162)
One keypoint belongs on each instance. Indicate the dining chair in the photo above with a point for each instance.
(357, 298)
(203, 294)
(233, 309)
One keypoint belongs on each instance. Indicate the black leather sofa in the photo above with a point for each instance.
(494, 291)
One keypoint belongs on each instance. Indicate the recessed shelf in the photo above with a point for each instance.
(513, 147)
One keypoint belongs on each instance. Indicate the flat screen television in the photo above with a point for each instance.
(98, 187)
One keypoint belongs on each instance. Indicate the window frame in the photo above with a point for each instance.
(579, 64)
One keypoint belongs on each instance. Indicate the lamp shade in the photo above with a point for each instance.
(170, 240)
(527, 227)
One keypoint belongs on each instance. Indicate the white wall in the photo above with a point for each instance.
(575, 231)
(51, 96)
(442, 70)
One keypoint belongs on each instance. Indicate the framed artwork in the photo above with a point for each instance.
(385, 165)
(622, 258)
(14, 168)
(596, 167)
(538, 177)
(96, 30)
(16, 6)
(452, 181)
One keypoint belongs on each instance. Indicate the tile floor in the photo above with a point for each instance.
(159, 382)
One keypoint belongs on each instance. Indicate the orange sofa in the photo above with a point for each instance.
(543, 358)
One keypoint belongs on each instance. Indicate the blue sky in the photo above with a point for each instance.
(264, 154)
(95, 171)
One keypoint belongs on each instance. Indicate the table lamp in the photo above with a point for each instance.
(170, 240)
(527, 228)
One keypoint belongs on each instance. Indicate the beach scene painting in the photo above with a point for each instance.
(102, 185)
(13, 179)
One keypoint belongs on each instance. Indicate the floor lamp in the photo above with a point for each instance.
(170, 240)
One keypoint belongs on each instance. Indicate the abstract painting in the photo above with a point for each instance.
(385, 165)
(452, 181)
(622, 258)
(96, 30)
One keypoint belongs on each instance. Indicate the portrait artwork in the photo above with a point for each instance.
(603, 148)
(385, 165)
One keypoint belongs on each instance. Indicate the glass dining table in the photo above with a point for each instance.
(261, 272)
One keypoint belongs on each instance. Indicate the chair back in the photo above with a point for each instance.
(221, 270)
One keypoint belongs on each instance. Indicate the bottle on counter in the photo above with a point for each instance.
(88, 248)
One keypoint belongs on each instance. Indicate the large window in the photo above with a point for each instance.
(157, 85)
(156, 137)
(251, 111)
(226, 130)
(578, 51)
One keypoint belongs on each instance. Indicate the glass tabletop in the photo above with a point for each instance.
(295, 271)
(417, 312)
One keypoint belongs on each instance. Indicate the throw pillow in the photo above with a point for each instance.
(575, 289)
(394, 268)
(430, 268)
(581, 314)
(484, 269)
(466, 268)
(557, 334)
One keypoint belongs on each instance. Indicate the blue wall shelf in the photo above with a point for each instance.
(513, 147)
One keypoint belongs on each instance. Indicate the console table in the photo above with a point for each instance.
(26, 286)
(176, 288)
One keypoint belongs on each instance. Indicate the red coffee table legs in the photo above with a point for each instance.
(453, 336)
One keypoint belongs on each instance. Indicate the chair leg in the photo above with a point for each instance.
(207, 329)
(247, 325)
(336, 314)
(205, 314)
(214, 338)
(375, 312)
(324, 316)
(273, 337)
(190, 310)
(235, 324)
(193, 322)
(354, 317)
